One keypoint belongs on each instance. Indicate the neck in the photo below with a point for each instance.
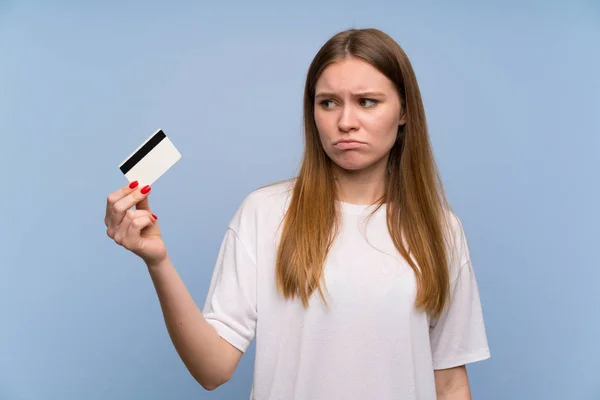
(364, 186)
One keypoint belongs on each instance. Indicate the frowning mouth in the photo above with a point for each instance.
(346, 144)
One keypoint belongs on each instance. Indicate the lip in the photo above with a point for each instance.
(348, 144)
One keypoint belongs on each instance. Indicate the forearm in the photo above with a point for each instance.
(452, 384)
(461, 393)
(198, 344)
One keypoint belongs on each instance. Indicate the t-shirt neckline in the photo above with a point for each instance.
(358, 209)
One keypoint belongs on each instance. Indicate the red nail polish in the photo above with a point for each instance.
(145, 189)
(133, 184)
(155, 217)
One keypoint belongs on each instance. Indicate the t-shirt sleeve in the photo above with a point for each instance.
(458, 335)
(230, 305)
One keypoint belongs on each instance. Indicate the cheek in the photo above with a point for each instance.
(323, 126)
(383, 130)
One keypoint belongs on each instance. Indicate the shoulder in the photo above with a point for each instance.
(456, 241)
(266, 196)
(264, 203)
(453, 224)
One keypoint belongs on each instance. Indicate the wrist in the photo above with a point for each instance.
(158, 264)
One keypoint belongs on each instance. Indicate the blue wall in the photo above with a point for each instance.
(512, 93)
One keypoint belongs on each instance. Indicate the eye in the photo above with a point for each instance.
(368, 103)
(326, 103)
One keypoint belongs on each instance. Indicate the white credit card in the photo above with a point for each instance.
(151, 160)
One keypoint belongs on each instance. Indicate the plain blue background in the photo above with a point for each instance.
(512, 95)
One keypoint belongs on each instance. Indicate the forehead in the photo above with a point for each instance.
(353, 74)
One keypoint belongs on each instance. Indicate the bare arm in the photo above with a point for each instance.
(208, 357)
(452, 384)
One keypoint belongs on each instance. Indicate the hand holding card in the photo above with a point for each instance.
(137, 229)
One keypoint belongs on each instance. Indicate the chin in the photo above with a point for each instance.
(351, 166)
(354, 162)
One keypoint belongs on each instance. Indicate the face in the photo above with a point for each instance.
(357, 113)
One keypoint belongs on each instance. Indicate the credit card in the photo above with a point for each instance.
(151, 160)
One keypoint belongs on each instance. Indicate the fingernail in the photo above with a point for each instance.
(155, 217)
(146, 189)
(133, 184)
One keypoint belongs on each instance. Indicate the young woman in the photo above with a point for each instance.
(354, 277)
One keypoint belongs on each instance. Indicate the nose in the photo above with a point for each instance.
(348, 120)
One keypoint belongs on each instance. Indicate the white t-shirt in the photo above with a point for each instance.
(369, 342)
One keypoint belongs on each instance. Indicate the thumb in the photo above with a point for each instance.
(143, 204)
(150, 230)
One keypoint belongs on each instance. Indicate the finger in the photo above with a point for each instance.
(119, 208)
(135, 228)
(132, 214)
(116, 196)
(122, 233)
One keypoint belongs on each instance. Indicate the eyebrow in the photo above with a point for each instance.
(359, 94)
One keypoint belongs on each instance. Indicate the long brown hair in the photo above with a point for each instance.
(414, 195)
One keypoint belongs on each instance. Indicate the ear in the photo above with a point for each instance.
(402, 119)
